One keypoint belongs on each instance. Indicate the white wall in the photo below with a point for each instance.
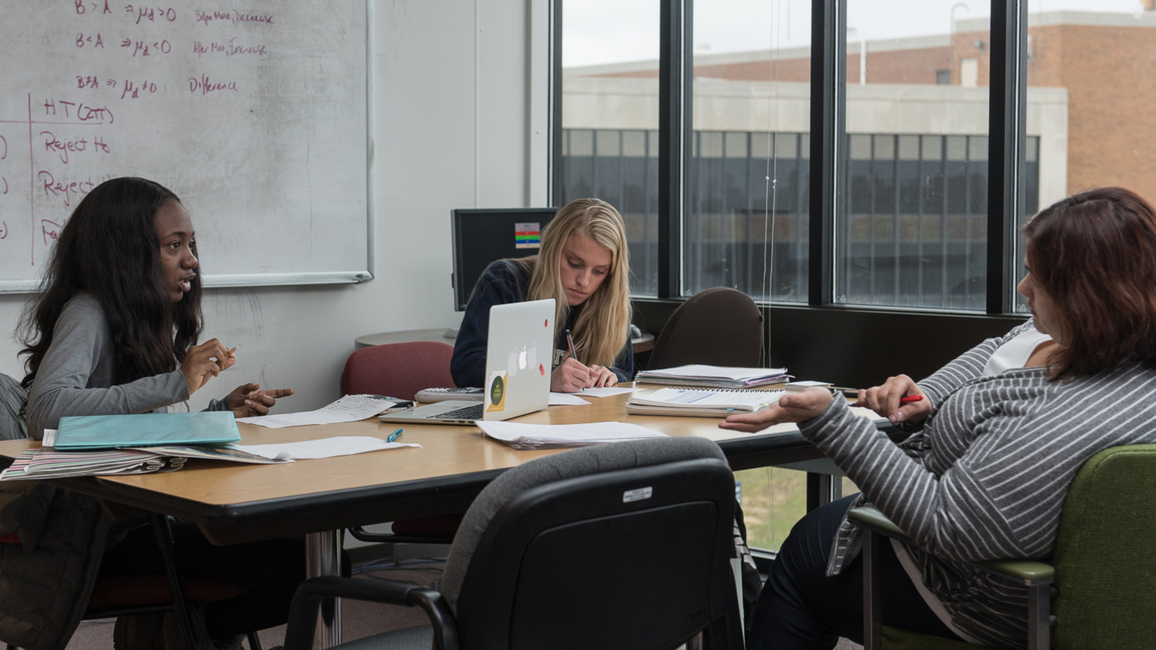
(451, 119)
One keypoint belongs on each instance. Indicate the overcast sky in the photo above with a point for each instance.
(609, 31)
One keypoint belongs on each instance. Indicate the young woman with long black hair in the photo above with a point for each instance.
(114, 329)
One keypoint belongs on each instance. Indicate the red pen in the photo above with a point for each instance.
(902, 400)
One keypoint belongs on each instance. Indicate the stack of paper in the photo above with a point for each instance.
(702, 403)
(551, 436)
(48, 463)
(713, 376)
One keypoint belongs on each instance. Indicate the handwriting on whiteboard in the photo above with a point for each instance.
(59, 144)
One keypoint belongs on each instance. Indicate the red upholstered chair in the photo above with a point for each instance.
(116, 596)
(398, 369)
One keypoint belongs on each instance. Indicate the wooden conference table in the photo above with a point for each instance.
(233, 503)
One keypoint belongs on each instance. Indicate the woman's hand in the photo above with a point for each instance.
(792, 407)
(248, 400)
(603, 377)
(571, 376)
(204, 362)
(884, 400)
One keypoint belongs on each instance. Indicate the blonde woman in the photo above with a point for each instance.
(583, 266)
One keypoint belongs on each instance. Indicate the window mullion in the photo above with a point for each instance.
(674, 70)
(828, 124)
(1008, 99)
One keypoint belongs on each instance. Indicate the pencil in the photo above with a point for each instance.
(570, 342)
(903, 400)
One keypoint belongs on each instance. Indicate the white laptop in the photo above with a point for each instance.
(519, 352)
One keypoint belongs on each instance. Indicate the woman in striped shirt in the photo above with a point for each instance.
(1003, 430)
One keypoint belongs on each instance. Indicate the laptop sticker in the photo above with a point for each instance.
(496, 392)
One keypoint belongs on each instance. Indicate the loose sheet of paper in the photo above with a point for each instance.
(324, 448)
(567, 399)
(604, 392)
(545, 436)
(350, 408)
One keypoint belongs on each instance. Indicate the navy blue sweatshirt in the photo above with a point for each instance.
(505, 282)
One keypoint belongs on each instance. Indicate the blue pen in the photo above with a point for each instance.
(394, 436)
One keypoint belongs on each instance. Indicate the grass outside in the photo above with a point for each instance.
(773, 499)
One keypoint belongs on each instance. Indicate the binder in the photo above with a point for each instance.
(146, 430)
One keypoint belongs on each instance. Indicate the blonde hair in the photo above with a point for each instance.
(603, 327)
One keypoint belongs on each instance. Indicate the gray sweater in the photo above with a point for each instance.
(987, 475)
(75, 376)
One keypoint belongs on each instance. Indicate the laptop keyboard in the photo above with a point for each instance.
(471, 412)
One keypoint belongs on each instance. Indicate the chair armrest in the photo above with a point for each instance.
(871, 518)
(360, 533)
(307, 602)
(1029, 572)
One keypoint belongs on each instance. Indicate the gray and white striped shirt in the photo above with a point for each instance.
(986, 476)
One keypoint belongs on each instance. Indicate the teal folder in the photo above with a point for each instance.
(146, 430)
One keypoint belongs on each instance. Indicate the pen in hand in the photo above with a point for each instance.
(394, 436)
(902, 400)
(570, 342)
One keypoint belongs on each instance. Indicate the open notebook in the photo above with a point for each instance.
(701, 402)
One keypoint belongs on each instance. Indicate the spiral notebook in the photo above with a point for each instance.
(701, 403)
(713, 376)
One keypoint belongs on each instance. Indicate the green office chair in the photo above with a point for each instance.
(1103, 565)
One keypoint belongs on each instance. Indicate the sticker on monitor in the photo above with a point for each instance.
(527, 235)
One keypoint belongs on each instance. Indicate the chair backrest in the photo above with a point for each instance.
(615, 546)
(13, 396)
(719, 327)
(398, 369)
(1105, 555)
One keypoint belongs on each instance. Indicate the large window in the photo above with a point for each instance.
(910, 224)
(1090, 88)
(609, 136)
(746, 220)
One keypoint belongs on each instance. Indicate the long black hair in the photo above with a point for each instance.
(110, 249)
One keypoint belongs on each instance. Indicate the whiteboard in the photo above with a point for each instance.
(253, 112)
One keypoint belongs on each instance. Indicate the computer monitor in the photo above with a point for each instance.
(482, 236)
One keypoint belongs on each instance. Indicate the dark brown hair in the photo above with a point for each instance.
(1095, 254)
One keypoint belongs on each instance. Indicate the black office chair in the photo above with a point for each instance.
(719, 327)
(615, 546)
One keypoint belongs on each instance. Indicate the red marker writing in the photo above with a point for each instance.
(902, 400)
